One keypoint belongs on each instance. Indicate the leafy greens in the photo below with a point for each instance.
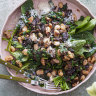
(19, 56)
(60, 81)
(82, 26)
(26, 6)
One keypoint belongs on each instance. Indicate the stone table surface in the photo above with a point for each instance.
(12, 88)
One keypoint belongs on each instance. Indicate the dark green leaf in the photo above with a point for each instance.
(57, 16)
(79, 24)
(52, 6)
(72, 77)
(24, 58)
(81, 52)
(43, 20)
(27, 6)
(90, 26)
(84, 22)
(81, 18)
(25, 66)
(91, 51)
(65, 7)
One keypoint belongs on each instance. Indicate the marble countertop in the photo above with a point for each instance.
(12, 88)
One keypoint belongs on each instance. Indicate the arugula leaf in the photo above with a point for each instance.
(82, 26)
(84, 36)
(90, 26)
(27, 6)
(26, 65)
(80, 20)
(78, 23)
(60, 81)
(81, 52)
(16, 44)
(77, 44)
(72, 31)
(64, 86)
(24, 58)
(57, 80)
(19, 56)
(91, 51)
(84, 22)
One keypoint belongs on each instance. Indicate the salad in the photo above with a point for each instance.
(53, 44)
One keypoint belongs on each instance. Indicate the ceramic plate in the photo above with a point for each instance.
(77, 8)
